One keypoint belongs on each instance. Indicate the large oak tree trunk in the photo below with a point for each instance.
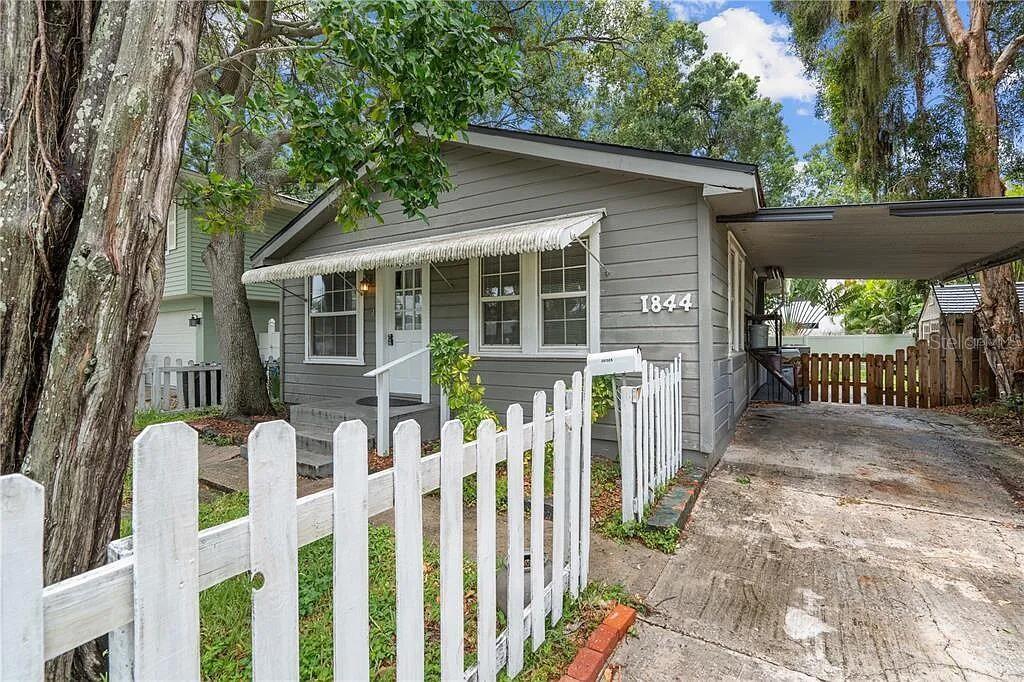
(246, 392)
(94, 98)
(1001, 321)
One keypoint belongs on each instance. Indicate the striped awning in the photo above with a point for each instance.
(544, 234)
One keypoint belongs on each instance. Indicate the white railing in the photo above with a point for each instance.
(382, 376)
(173, 384)
(147, 598)
(651, 435)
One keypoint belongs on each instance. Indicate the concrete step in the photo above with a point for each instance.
(308, 463)
(675, 506)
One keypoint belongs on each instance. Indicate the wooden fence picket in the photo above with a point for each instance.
(408, 552)
(585, 475)
(165, 526)
(486, 566)
(515, 515)
(574, 468)
(537, 457)
(21, 578)
(558, 539)
(628, 453)
(273, 552)
(452, 600)
(351, 579)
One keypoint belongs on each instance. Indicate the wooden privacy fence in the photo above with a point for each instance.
(147, 598)
(651, 434)
(940, 370)
(167, 384)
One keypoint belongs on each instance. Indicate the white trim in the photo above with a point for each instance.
(736, 268)
(384, 314)
(357, 359)
(530, 309)
(171, 236)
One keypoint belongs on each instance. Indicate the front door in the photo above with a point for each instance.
(406, 294)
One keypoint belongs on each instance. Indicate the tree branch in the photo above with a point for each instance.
(949, 18)
(1007, 57)
(263, 49)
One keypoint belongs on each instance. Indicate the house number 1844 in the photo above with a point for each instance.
(654, 303)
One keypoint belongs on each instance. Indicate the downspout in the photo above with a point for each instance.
(705, 331)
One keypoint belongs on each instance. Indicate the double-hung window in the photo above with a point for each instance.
(334, 325)
(539, 304)
(500, 294)
(737, 294)
(563, 296)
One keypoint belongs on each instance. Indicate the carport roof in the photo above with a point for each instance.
(933, 240)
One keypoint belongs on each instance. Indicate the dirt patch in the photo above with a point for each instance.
(1004, 424)
(235, 430)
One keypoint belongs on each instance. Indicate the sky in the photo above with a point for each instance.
(757, 39)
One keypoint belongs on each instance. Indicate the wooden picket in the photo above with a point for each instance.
(945, 369)
(147, 598)
(651, 435)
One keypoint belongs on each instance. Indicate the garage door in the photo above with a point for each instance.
(174, 338)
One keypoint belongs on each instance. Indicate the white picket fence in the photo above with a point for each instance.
(147, 598)
(173, 384)
(651, 435)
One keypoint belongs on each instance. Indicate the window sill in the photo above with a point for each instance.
(358, 362)
(486, 353)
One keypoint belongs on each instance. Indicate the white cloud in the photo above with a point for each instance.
(761, 49)
(804, 111)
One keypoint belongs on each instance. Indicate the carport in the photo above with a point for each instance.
(929, 240)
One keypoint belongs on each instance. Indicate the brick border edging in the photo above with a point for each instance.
(592, 656)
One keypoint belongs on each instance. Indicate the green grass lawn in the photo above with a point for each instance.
(226, 611)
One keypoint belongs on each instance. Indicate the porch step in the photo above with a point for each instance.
(676, 505)
(315, 423)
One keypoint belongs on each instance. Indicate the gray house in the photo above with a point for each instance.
(544, 251)
(549, 248)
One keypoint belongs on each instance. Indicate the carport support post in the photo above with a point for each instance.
(705, 333)
(383, 414)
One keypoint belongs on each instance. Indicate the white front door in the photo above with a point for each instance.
(406, 317)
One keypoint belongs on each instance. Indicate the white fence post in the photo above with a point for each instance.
(575, 467)
(588, 417)
(558, 548)
(486, 528)
(383, 413)
(627, 453)
(351, 578)
(452, 601)
(273, 552)
(408, 552)
(537, 456)
(165, 513)
(21, 578)
(516, 589)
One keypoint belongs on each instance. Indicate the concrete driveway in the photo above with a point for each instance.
(845, 542)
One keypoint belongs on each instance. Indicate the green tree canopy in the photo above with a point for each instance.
(883, 306)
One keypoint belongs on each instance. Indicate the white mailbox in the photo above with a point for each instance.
(615, 362)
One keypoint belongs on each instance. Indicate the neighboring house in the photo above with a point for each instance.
(185, 327)
(952, 299)
(547, 249)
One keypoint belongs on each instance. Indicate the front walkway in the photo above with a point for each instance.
(844, 542)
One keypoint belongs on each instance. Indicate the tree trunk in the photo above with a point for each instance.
(246, 393)
(1002, 325)
(91, 143)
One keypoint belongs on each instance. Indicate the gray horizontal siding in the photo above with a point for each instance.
(176, 260)
(648, 243)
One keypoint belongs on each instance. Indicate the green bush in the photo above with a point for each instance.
(450, 369)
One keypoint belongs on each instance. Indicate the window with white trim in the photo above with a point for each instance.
(563, 296)
(500, 293)
(737, 294)
(334, 323)
(539, 304)
(172, 229)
